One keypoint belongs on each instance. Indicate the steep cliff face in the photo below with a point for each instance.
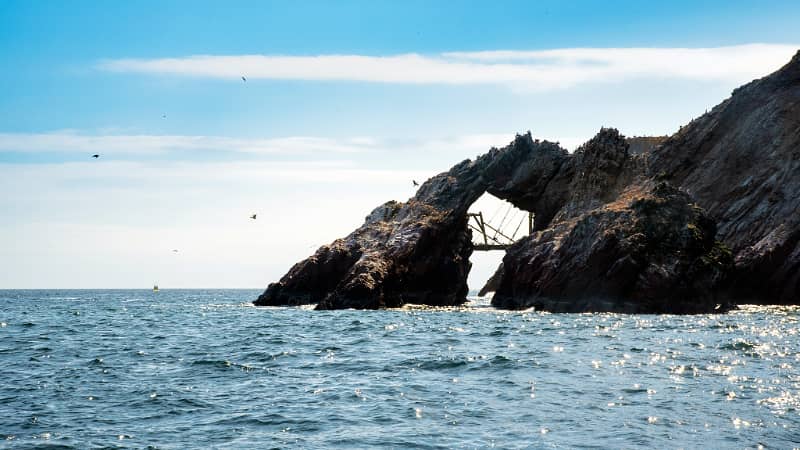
(741, 162)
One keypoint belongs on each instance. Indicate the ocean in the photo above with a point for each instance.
(184, 369)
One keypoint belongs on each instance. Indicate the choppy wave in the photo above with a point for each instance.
(204, 369)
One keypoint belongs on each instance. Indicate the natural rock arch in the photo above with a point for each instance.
(616, 230)
(418, 251)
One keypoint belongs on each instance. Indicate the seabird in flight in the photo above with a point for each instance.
(244, 79)
(415, 182)
(253, 216)
(95, 156)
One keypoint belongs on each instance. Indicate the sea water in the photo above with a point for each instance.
(205, 369)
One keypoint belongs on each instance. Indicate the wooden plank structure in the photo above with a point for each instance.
(490, 237)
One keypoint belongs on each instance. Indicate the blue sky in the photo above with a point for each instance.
(344, 104)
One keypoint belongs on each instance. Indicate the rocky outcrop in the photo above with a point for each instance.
(414, 252)
(741, 161)
(418, 251)
(650, 251)
(679, 226)
(619, 242)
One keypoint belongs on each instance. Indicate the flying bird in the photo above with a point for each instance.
(244, 79)
(253, 216)
(175, 250)
(163, 116)
(415, 182)
(95, 156)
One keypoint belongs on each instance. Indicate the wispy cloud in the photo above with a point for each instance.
(538, 70)
(61, 141)
(134, 175)
(180, 147)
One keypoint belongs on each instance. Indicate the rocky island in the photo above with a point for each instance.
(695, 222)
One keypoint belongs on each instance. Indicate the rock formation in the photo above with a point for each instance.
(418, 251)
(619, 242)
(741, 161)
(678, 225)
(651, 250)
